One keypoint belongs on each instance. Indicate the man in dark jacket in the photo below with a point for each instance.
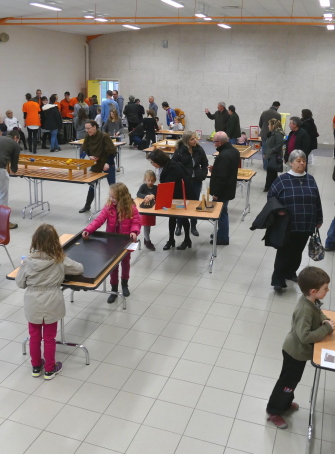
(266, 116)
(223, 181)
(233, 129)
(220, 117)
(9, 152)
(298, 139)
(131, 111)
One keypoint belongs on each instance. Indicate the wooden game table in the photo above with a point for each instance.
(75, 286)
(190, 212)
(246, 154)
(35, 176)
(329, 344)
(167, 132)
(150, 149)
(244, 178)
(254, 142)
(118, 145)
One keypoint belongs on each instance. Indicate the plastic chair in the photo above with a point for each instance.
(4, 229)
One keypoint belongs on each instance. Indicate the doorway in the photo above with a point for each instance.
(100, 87)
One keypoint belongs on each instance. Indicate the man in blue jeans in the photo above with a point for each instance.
(223, 181)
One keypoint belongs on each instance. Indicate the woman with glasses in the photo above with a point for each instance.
(100, 148)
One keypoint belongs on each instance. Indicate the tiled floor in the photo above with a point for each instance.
(187, 368)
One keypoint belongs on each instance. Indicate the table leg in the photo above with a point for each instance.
(70, 344)
(38, 203)
(104, 290)
(314, 394)
(247, 204)
(78, 152)
(30, 199)
(120, 168)
(214, 249)
(96, 187)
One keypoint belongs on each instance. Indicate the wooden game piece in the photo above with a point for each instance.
(207, 196)
(203, 205)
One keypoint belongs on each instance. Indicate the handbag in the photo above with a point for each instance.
(275, 163)
(315, 249)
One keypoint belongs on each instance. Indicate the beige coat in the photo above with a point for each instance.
(42, 278)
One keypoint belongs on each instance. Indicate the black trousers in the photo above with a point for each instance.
(32, 138)
(172, 227)
(288, 258)
(23, 138)
(46, 136)
(270, 177)
(283, 393)
(131, 126)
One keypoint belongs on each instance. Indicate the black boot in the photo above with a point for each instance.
(169, 244)
(112, 298)
(125, 289)
(89, 200)
(194, 230)
(184, 245)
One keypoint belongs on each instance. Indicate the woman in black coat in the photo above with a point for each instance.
(193, 157)
(150, 127)
(309, 126)
(53, 121)
(172, 171)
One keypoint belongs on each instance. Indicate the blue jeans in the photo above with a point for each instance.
(330, 241)
(265, 161)
(54, 142)
(137, 140)
(223, 230)
(232, 141)
(110, 174)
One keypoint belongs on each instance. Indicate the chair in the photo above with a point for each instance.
(4, 229)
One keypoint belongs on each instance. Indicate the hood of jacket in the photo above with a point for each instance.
(49, 106)
(39, 261)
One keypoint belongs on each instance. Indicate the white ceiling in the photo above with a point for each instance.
(75, 8)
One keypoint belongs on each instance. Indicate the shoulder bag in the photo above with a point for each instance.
(316, 251)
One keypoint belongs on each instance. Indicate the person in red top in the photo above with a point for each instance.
(32, 121)
(298, 139)
(65, 105)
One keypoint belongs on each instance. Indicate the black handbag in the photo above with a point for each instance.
(275, 163)
(315, 249)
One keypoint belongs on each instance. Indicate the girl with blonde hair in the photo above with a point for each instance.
(113, 125)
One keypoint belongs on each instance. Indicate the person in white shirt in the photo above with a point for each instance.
(98, 118)
(176, 125)
(13, 123)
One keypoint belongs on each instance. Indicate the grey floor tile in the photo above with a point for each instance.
(167, 346)
(137, 339)
(231, 359)
(110, 375)
(218, 401)
(181, 392)
(209, 337)
(192, 371)
(131, 407)
(291, 443)
(256, 439)
(179, 331)
(60, 390)
(168, 416)
(10, 400)
(125, 356)
(93, 397)
(145, 384)
(43, 410)
(209, 427)
(201, 353)
(55, 443)
(189, 445)
(157, 364)
(11, 443)
(150, 440)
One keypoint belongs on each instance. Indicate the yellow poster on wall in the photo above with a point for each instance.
(93, 88)
(283, 119)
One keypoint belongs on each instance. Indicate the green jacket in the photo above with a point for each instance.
(233, 129)
(274, 143)
(306, 329)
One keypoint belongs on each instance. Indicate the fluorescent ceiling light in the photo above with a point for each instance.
(324, 3)
(100, 19)
(328, 16)
(330, 27)
(89, 17)
(133, 27)
(201, 15)
(43, 5)
(224, 25)
(208, 18)
(174, 3)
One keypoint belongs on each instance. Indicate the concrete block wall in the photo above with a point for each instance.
(248, 66)
(37, 58)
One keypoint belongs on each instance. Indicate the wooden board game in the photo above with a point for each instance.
(166, 145)
(242, 173)
(54, 162)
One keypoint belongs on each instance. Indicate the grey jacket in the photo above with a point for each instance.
(42, 278)
(266, 116)
(79, 127)
(111, 127)
(274, 143)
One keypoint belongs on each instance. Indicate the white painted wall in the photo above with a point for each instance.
(248, 66)
(35, 58)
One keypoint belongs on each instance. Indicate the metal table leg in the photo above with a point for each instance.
(314, 394)
(37, 201)
(70, 344)
(104, 290)
(214, 249)
(97, 194)
(119, 169)
(247, 204)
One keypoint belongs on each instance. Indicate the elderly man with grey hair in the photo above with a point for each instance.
(223, 181)
(220, 117)
(152, 105)
(298, 139)
(297, 191)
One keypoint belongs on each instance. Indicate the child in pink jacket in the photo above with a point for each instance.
(122, 216)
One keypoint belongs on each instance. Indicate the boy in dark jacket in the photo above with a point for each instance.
(233, 128)
(309, 325)
(223, 181)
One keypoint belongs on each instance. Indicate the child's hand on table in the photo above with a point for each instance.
(133, 236)
(147, 198)
(85, 235)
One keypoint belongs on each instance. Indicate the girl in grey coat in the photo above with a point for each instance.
(42, 274)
